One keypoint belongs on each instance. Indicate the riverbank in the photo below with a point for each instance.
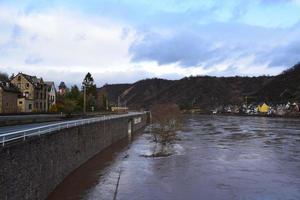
(294, 116)
(288, 116)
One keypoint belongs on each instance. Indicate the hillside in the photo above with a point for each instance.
(112, 91)
(283, 87)
(207, 92)
(141, 93)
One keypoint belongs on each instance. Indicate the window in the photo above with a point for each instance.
(20, 102)
(19, 78)
(27, 85)
(41, 105)
(30, 106)
(26, 94)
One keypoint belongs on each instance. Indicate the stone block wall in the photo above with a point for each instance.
(31, 169)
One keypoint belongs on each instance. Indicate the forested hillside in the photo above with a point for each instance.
(206, 92)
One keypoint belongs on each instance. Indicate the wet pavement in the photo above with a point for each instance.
(217, 157)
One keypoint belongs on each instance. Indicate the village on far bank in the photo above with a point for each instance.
(290, 109)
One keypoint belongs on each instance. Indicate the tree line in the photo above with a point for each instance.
(72, 101)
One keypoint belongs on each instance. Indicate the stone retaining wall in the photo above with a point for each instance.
(32, 169)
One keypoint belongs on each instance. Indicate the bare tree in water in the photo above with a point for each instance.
(166, 120)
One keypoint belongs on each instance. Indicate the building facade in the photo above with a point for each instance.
(8, 98)
(51, 94)
(34, 93)
(25, 105)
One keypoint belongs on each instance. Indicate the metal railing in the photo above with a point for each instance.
(23, 134)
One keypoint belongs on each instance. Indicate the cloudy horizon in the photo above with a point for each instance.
(122, 41)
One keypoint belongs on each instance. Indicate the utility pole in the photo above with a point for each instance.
(106, 102)
(84, 99)
(118, 104)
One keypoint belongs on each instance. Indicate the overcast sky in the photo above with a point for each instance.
(122, 41)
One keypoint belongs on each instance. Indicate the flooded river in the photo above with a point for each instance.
(216, 158)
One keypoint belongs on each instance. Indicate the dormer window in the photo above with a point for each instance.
(19, 78)
(26, 94)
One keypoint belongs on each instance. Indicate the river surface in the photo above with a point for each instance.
(216, 158)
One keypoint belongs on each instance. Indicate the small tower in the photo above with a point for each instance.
(62, 88)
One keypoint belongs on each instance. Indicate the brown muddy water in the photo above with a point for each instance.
(217, 158)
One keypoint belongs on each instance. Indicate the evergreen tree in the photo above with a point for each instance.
(3, 77)
(74, 93)
(88, 84)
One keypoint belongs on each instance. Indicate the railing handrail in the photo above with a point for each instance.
(58, 126)
(40, 127)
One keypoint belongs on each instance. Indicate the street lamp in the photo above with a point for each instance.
(84, 97)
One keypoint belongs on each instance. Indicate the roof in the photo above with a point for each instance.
(32, 79)
(8, 87)
(62, 85)
(50, 84)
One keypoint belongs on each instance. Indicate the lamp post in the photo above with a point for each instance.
(84, 98)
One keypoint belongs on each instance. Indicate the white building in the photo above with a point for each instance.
(51, 92)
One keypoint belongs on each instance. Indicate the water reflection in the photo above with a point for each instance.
(217, 157)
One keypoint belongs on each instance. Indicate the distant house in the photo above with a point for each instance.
(51, 98)
(62, 88)
(119, 109)
(292, 107)
(34, 93)
(8, 98)
(263, 108)
(280, 109)
(295, 107)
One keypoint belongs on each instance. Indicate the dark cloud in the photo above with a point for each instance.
(287, 55)
(207, 45)
(187, 48)
(194, 46)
